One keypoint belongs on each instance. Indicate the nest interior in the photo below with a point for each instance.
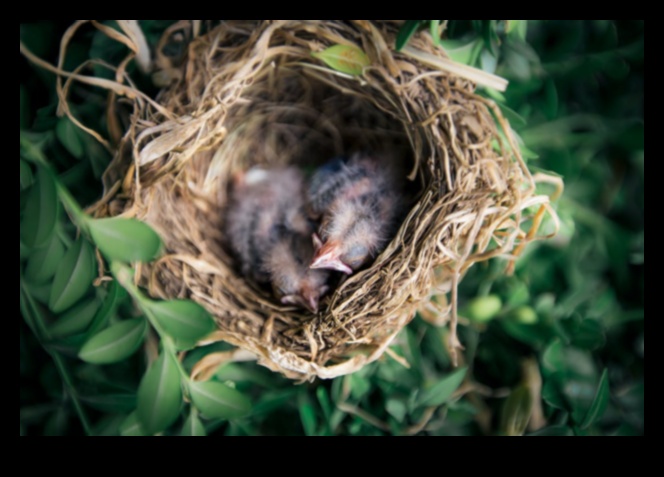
(250, 93)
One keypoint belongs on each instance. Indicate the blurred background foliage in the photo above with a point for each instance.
(557, 348)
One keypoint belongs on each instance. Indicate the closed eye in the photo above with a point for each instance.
(356, 256)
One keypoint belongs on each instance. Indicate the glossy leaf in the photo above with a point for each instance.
(193, 425)
(76, 319)
(41, 210)
(44, 261)
(70, 137)
(159, 395)
(601, 401)
(126, 240)
(131, 427)
(345, 58)
(407, 30)
(441, 391)
(182, 319)
(73, 277)
(114, 343)
(516, 411)
(216, 400)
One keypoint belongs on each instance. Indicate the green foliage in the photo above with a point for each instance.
(216, 400)
(159, 395)
(74, 276)
(441, 391)
(115, 343)
(76, 319)
(41, 210)
(182, 320)
(126, 240)
(574, 305)
(193, 425)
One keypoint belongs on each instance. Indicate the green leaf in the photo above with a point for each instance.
(70, 137)
(41, 210)
(159, 395)
(131, 426)
(407, 30)
(44, 261)
(216, 400)
(516, 411)
(26, 175)
(565, 431)
(600, 402)
(441, 391)
(76, 319)
(73, 277)
(182, 319)
(193, 425)
(345, 58)
(114, 343)
(40, 292)
(464, 52)
(125, 240)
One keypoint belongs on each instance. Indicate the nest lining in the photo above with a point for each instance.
(250, 93)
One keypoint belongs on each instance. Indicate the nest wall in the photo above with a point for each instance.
(249, 93)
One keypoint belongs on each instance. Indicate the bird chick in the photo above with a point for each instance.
(270, 234)
(293, 282)
(358, 202)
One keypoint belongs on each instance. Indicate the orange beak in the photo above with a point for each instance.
(327, 256)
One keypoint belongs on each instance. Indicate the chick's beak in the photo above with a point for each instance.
(311, 302)
(330, 260)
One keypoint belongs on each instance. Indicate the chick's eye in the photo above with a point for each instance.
(356, 255)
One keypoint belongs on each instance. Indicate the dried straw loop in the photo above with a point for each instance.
(249, 93)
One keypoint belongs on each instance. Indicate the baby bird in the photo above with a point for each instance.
(270, 235)
(358, 202)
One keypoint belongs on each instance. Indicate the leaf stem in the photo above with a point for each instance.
(123, 275)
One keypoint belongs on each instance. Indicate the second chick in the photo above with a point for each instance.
(271, 235)
(358, 202)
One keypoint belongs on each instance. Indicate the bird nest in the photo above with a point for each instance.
(250, 93)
